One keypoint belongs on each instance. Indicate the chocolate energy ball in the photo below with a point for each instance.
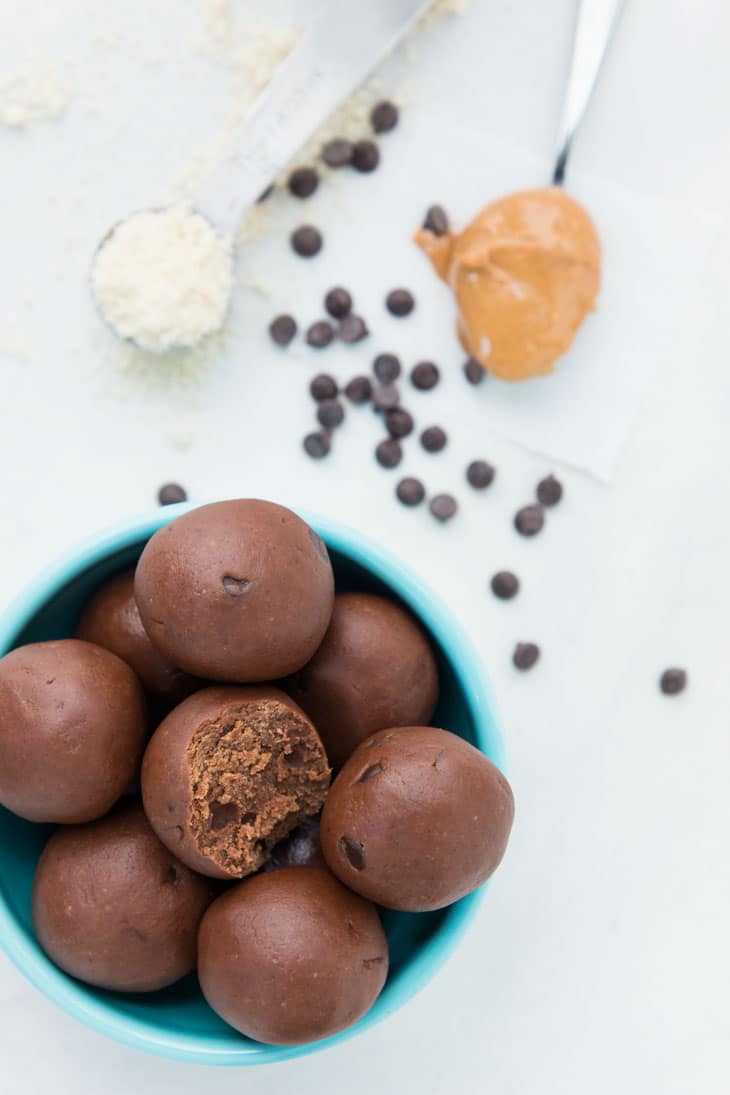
(374, 669)
(112, 907)
(301, 848)
(111, 619)
(236, 591)
(228, 774)
(73, 723)
(416, 819)
(291, 956)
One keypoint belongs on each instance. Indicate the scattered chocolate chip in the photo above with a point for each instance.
(473, 371)
(317, 444)
(549, 491)
(399, 423)
(171, 493)
(338, 153)
(529, 520)
(306, 240)
(384, 116)
(235, 587)
(525, 655)
(400, 302)
(433, 439)
(352, 328)
(389, 453)
(479, 474)
(265, 193)
(410, 492)
(387, 368)
(443, 507)
(385, 397)
(282, 329)
(505, 585)
(353, 851)
(359, 389)
(320, 334)
(365, 156)
(673, 681)
(330, 413)
(436, 220)
(338, 302)
(322, 387)
(303, 181)
(425, 375)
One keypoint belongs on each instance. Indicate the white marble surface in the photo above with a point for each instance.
(600, 961)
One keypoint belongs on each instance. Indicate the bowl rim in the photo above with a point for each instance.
(103, 1016)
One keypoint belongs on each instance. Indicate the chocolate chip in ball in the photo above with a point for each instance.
(410, 491)
(338, 302)
(443, 506)
(436, 220)
(303, 182)
(433, 439)
(549, 491)
(352, 328)
(387, 368)
(320, 334)
(673, 681)
(479, 474)
(400, 302)
(171, 493)
(525, 655)
(529, 520)
(384, 116)
(317, 444)
(359, 389)
(330, 413)
(399, 423)
(306, 240)
(282, 329)
(505, 585)
(425, 375)
(338, 153)
(322, 387)
(473, 371)
(385, 397)
(389, 453)
(365, 156)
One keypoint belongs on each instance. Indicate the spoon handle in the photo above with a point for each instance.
(596, 22)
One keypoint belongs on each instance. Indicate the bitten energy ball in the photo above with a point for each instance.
(112, 907)
(236, 591)
(73, 723)
(111, 619)
(228, 774)
(416, 819)
(291, 956)
(374, 669)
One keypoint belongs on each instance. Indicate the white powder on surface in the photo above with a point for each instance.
(163, 278)
(37, 92)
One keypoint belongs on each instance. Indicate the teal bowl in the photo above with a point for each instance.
(177, 1022)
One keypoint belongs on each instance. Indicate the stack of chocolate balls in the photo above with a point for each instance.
(240, 858)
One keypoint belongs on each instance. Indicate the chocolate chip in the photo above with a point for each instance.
(436, 220)
(235, 587)
(171, 876)
(352, 328)
(389, 453)
(525, 655)
(330, 413)
(303, 181)
(529, 520)
(385, 397)
(479, 474)
(365, 156)
(370, 772)
(306, 240)
(384, 116)
(425, 375)
(443, 506)
(359, 389)
(505, 585)
(353, 852)
(673, 681)
(338, 153)
(549, 491)
(410, 492)
(433, 439)
(338, 302)
(322, 387)
(473, 371)
(171, 493)
(399, 423)
(282, 329)
(387, 368)
(320, 334)
(400, 302)
(317, 444)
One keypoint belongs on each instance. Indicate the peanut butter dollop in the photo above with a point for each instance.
(524, 274)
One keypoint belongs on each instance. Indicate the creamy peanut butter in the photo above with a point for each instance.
(524, 274)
